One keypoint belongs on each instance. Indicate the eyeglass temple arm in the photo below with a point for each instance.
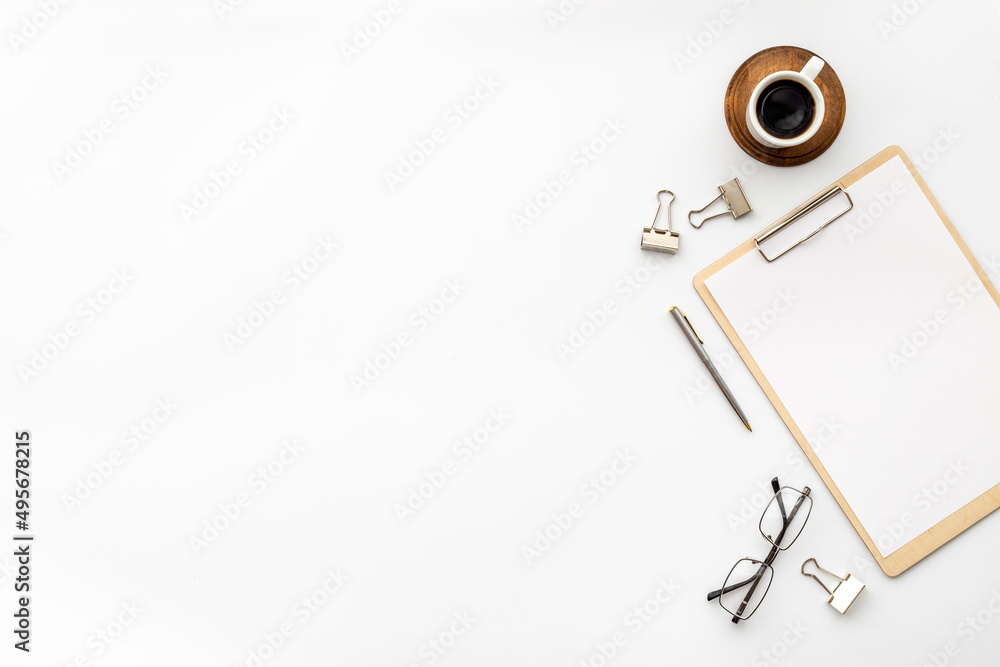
(728, 589)
(781, 504)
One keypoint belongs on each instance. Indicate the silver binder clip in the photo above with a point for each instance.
(661, 240)
(844, 593)
(732, 193)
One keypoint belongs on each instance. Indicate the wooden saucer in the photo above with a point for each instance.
(746, 78)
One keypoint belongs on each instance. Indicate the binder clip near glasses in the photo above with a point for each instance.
(736, 200)
(661, 240)
(844, 593)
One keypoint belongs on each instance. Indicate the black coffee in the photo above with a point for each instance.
(785, 109)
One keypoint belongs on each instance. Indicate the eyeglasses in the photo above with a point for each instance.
(780, 528)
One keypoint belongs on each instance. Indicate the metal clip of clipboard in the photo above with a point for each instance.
(805, 209)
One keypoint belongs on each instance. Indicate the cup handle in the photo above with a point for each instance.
(813, 67)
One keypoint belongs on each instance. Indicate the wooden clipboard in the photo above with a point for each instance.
(926, 542)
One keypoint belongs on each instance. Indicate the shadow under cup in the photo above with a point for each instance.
(785, 109)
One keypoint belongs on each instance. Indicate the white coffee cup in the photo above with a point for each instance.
(805, 78)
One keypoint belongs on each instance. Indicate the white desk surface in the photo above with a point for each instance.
(100, 245)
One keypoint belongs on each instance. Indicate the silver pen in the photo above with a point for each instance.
(699, 347)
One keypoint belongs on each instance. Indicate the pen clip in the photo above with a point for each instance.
(693, 330)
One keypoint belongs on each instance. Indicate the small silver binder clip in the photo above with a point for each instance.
(844, 593)
(661, 240)
(732, 193)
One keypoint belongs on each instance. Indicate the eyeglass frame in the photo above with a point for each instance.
(772, 554)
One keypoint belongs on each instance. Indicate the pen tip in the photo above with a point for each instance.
(747, 424)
